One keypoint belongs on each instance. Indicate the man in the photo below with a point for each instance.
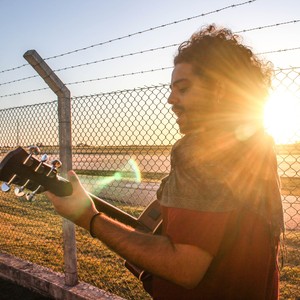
(221, 207)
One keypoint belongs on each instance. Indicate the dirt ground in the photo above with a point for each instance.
(11, 291)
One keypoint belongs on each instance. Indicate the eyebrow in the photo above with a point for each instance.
(177, 82)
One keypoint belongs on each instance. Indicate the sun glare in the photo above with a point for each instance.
(282, 117)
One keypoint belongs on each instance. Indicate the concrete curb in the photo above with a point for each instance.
(46, 282)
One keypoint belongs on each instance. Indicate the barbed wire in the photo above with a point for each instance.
(119, 56)
(132, 54)
(94, 62)
(117, 76)
(14, 68)
(138, 32)
(278, 51)
(24, 92)
(17, 80)
(140, 52)
(120, 75)
(286, 69)
(92, 80)
(268, 26)
(152, 29)
(158, 48)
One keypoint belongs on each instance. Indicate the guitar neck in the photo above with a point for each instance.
(23, 169)
(115, 212)
(150, 219)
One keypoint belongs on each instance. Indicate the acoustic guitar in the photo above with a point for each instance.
(28, 173)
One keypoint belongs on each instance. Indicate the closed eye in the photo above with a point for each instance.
(183, 90)
(180, 86)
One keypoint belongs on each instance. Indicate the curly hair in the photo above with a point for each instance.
(218, 55)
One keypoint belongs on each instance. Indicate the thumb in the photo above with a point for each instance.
(72, 176)
(74, 179)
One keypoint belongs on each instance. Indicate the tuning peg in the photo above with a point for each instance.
(56, 164)
(39, 168)
(33, 150)
(5, 187)
(19, 191)
(44, 157)
(29, 196)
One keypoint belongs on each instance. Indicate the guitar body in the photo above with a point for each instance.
(21, 168)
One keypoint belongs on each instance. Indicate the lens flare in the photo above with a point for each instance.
(129, 172)
(282, 117)
(105, 181)
(136, 170)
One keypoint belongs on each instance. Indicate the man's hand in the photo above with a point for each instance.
(78, 207)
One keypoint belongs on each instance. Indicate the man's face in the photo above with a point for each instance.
(192, 99)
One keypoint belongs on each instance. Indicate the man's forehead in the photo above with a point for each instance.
(181, 72)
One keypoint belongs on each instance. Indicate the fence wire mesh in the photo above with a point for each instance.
(121, 146)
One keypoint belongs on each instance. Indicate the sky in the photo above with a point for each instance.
(56, 27)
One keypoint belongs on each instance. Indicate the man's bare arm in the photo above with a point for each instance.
(181, 264)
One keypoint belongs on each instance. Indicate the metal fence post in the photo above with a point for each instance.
(65, 152)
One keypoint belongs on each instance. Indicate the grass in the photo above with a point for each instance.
(290, 270)
(33, 232)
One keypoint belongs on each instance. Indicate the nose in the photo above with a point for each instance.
(172, 99)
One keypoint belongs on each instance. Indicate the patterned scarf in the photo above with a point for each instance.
(218, 173)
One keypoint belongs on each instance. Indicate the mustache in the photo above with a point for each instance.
(177, 108)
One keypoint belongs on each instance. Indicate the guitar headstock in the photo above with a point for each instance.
(24, 169)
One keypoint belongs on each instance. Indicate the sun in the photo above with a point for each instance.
(282, 117)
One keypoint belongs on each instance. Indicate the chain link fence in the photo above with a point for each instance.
(121, 146)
